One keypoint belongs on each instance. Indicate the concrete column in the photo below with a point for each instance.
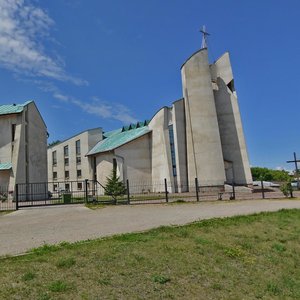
(204, 151)
(230, 123)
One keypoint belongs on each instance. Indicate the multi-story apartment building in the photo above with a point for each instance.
(23, 145)
(67, 163)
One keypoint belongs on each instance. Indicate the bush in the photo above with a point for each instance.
(114, 187)
(287, 189)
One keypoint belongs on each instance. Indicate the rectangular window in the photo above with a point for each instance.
(54, 187)
(13, 132)
(54, 175)
(54, 158)
(79, 185)
(78, 147)
(66, 150)
(78, 160)
(26, 153)
(66, 174)
(78, 173)
(67, 187)
(172, 148)
(114, 165)
(66, 161)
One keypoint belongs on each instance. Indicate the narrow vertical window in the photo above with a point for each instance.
(114, 165)
(66, 161)
(13, 132)
(172, 148)
(54, 158)
(66, 151)
(95, 168)
(78, 152)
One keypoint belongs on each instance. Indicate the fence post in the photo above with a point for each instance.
(233, 191)
(128, 192)
(262, 189)
(197, 189)
(166, 190)
(17, 196)
(86, 190)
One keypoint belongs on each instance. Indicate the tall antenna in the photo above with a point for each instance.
(204, 37)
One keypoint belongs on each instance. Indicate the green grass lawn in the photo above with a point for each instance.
(253, 257)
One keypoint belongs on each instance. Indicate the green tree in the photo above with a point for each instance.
(259, 173)
(287, 189)
(54, 143)
(114, 186)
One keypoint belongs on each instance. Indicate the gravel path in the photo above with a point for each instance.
(28, 228)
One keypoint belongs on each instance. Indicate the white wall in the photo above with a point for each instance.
(88, 139)
(230, 123)
(37, 146)
(160, 147)
(204, 151)
(134, 159)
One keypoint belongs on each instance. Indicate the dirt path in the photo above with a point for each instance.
(28, 228)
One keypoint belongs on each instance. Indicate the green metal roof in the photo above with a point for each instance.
(118, 138)
(7, 109)
(110, 133)
(126, 128)
(5, 166)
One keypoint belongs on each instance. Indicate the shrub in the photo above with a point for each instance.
(287, 189)
(114, 187)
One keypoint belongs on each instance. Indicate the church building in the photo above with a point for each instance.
(199, 136)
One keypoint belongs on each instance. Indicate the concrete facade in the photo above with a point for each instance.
(230, 124)
(67, 161)
(199, 136)
(23, 145)
(204, 150)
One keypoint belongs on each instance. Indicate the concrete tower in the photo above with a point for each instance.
(204, 150)
(230, 123)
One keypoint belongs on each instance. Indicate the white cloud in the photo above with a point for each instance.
(279, 168)
(100, 108)
(22, 28)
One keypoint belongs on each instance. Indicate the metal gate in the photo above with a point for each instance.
(61, 193)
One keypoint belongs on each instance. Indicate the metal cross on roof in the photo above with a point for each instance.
(204, 37)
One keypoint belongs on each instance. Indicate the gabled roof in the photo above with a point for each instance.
(117, 138)
(5, 166)
(8, 109)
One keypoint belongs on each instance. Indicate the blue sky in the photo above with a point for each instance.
(94, 63)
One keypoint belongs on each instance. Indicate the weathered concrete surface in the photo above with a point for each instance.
(25, 229)
(230, 123)
(204, 150)
(26, 149)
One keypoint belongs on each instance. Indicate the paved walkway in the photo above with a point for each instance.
(28, 228)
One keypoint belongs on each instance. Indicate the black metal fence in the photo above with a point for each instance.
(6, 199)
(87, 191)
